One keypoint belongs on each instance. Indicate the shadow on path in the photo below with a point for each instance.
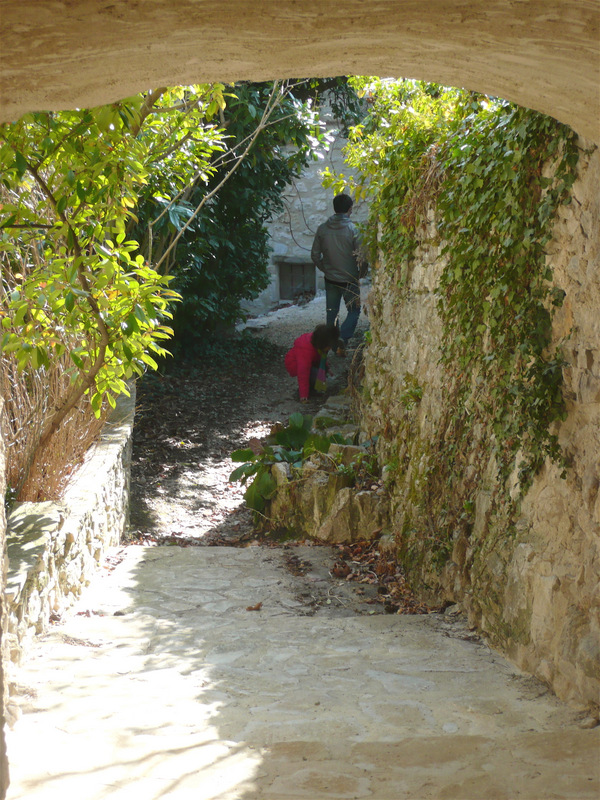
(168, 686)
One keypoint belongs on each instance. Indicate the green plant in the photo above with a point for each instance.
(412, 393)
(73, 284)
(501, 189)
(362, 470)
(291, 445)
(394, 151)
(81, 188)
(390, 469)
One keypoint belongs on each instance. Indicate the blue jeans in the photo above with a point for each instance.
(333, 297)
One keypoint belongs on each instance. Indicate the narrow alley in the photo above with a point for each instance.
(243, 669)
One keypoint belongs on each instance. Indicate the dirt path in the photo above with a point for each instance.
(190, 421)
(231, 669)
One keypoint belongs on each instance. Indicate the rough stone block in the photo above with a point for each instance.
(52, 547)
(352, 517)
(348, 453)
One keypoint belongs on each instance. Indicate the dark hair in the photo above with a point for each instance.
(342, 203)
(325, 336)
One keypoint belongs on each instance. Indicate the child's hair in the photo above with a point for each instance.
(325, 337)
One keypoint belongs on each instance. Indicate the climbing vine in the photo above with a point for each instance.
(484, 178)
(393, 151)
(506, 169)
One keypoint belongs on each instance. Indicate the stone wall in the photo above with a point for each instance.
(536, 593)
(3, 621)
(54, 548)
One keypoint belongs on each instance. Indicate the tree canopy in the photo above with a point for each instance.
(109, 215)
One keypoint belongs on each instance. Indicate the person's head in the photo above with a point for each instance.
(325, 337)
(342, 203)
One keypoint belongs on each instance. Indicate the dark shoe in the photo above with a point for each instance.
(341, 348)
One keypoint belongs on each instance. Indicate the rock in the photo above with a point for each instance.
(347, 452)
(352, 517)
(453, 611)
(281, 473)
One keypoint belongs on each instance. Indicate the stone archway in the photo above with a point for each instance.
(544, 54)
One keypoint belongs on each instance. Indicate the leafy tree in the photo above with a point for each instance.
(190, 177)
(212, 236)
(75, 282)
(72, 282)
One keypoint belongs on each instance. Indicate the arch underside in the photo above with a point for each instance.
(544, 54)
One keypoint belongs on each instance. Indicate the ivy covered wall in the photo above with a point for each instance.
(515, 543)
(483, 371)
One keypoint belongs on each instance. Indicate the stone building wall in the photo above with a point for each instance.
(536, 595)
(306, 205)
(54, 548)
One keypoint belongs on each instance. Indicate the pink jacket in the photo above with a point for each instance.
(299, 361)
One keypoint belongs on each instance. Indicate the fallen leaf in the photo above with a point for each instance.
(257, 607)
(340, 569)
(255, 446)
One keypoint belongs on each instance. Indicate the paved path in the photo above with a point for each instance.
(172, 688)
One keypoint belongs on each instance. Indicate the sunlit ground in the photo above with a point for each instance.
(168, 685)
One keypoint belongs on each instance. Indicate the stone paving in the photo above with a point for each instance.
(167, 681)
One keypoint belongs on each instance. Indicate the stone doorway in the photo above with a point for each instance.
(297, 278)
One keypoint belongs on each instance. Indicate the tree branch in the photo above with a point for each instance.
(272, 103)
(88, 377)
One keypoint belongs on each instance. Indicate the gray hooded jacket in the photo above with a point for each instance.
(336, 250)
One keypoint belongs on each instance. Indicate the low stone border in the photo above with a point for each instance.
(54, 548)
(321, 503)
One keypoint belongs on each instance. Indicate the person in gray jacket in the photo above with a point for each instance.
(336, 252)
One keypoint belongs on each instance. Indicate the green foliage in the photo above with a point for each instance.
(339, 93)
(390, 469)
(221, 255)
(72, 281)
(291, 445)
(496, 173)
(412, 393)
(362, 470)
(394, 151)
(506, 170)
(80, 189)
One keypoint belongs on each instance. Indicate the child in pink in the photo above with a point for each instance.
(307, 358)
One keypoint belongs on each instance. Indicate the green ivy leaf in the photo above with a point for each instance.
(243, 455)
